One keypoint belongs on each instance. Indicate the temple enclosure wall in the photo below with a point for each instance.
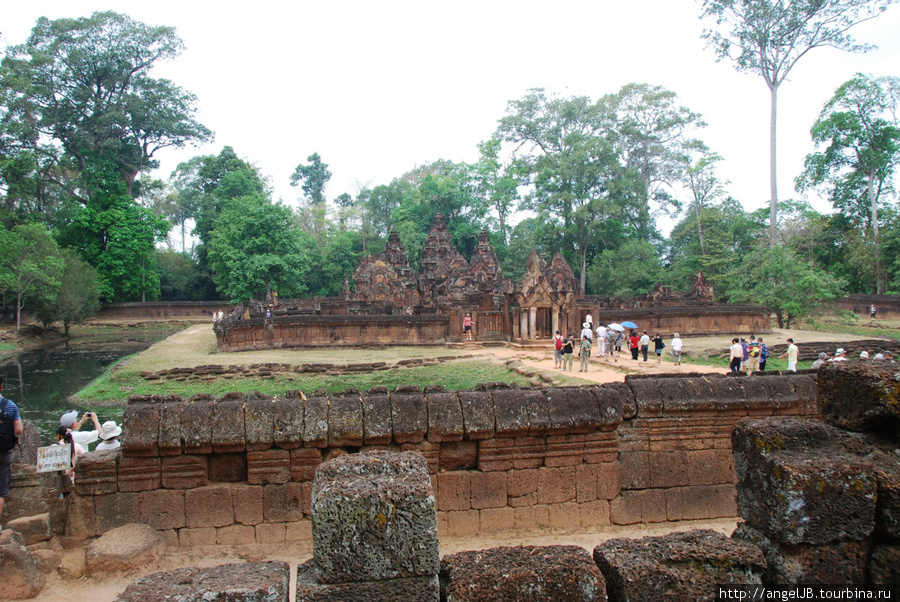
(239, 469)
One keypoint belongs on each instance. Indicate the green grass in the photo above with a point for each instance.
(114, 387)
(773, 363)
(862, 328)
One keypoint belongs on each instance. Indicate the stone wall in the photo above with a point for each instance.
(160, 309)
(688, 320)
(324, 330)
(240, 468)
(888, 305)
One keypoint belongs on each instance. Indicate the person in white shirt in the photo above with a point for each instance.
(645, 344)
(587, 332)
(737, 355)
(839, 356)
(677, 346)
(601, 339)
(83, 438)
(791, 354)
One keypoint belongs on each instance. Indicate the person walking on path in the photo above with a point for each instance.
(601, 340)
(614, 340)
(10, 429)
(567, 350)
(872, 311)
(737, 355)
(467, 326)
(587, 332)
(585, 354)
(763, 354)
(633, 345)
(557, 350)
(645, 344)
(658, 346)
(753, 351)
(677, 347)
(791, 355)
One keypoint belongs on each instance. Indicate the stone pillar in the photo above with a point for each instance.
(515, 324)
(374, 529)
(532, 322)
(555, 327)
(523, 321)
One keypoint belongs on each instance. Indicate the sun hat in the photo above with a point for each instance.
(110, 429)
(864, 355)
(585, 325)
(68, 419)
(839, 351)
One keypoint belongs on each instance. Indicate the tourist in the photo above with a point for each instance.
(590, 321)
(467, 326)
(677, 347)
(601, 340)
(83, 438)
(567, 351)
(587, 332)
(585, 354)
(64, 437)
(879, 354)
(737, 355)
(872, 311)
(109, 436)
(753, 352)
(823, 357)
(9, 411)
(215, 316)
(745, 355)
(763, 354)
(633, 345)
(658, 346)
(221, 315)
(791, 354)
(840, 355)
(863, 355)
(614, 340)
(645, 344)
(557, 350)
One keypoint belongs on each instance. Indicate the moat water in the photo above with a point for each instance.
(42, 381)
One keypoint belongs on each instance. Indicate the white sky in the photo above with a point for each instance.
(377, 88)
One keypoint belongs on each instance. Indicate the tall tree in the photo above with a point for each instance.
(497, 184)
(860, 133)
(653, 132)
(254, 249)
(769, 37)
(705, 186)
(314, 176)
(30, 266)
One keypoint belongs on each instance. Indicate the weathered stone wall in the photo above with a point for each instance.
(687, 319)
(318, 331)
(161, 309)
(888, 305)
(240, 468)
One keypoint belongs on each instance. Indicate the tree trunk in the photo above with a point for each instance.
(18, 312)
(876, 231)
(773, 163)
(582, 279)
(700, 229)
(143, 281)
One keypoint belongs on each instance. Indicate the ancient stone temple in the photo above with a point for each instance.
(391, 304)
(546, 298)
(387, 277)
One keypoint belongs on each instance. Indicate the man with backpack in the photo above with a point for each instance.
(10, 429)
(763, 354)
(754, 350)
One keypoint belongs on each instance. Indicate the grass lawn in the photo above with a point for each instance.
(195, 346)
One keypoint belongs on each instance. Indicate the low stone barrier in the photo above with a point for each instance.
(239, 468)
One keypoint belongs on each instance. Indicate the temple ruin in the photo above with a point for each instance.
(392, 304)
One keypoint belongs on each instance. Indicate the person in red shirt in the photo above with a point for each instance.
(633, 344)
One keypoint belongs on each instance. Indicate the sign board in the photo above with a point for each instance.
(54, 457)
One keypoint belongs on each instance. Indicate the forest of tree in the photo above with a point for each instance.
(83, 120)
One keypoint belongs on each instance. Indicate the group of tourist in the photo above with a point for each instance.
(609, 343)
(69, 433)
(751, 356)
(840, 355)
(217, 315)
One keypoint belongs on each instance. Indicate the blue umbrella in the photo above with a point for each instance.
(629, 325)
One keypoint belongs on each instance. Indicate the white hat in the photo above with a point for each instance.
(585, 325)
(110, 429)
(839, 351)
(68, 419)
(864, 355)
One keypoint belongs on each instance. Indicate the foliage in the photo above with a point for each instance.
(860, 133)
(30, 266)
(630, 270)
(78, 297)
(777, 278)
(314, 176)
(769, 37)
(179, 276)
(254, 249)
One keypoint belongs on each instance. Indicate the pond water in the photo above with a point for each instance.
(41, 381)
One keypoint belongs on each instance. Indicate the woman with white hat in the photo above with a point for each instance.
(82, 438)
(109, 436)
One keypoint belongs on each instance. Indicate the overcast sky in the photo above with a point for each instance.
(377, 88)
